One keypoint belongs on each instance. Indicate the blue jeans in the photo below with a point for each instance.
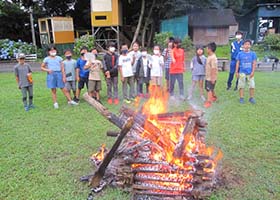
(231, 73)
(179, 78)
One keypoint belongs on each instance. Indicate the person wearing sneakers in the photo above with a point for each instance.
(236, 47)
(23, 75)
(198, 72)
(143, 73)
(94, 80)
(126, 72)
(211, 74)
(81, 73)
(55, 76)
(69, 66)
(110, 63)
(245, 69)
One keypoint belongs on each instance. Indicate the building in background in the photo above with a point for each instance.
(58, 31)
(211, 25)
(203, 26)
(261, 20)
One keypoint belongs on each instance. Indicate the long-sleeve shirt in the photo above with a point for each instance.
(236, 47)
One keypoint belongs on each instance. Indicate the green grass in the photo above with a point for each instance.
(44, 152)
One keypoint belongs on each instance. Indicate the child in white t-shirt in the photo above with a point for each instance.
(157, 64)
(126, 73)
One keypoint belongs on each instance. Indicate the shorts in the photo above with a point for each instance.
(167, 74)
(243, 78)
(82, 83)
(198, 77)
(94, 86)
(156, 80)
(54, 80)
(209, 86)
(70, 85)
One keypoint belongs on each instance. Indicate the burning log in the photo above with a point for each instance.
(98, 175)
(157, 155)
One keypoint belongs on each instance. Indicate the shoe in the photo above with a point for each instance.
(141, 95)
(235, 89)
(76, 99)
(147, 95)
(73, 103)
(31, 106)
(172, 98)
(252, 100)
(189, 98)
(182, 98)
(26, 108)
(127, 101)
(207, 104)
(202, 98)
(55, 105)
(228, 88)
(214, 98)
(241, 100)
(110, 101)
(116, 101)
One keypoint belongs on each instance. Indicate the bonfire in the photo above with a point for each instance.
(157, 154)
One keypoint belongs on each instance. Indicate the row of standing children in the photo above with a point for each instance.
(135, 67)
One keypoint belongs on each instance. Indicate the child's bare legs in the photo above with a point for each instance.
(201, 87)
(78, 92)
(97, 95)
(53, 91)
(66, 94)
(191, 90)
(252, 92)
(241, 93)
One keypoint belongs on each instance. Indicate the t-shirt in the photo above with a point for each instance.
(177, 67)
(145, 65)
(125, 63)
(157, 65)
(95, 70)
(167, 58)
(69, 68)
(211, 64)
(84, 73)
(53, 63)
(137, 55)
(246, 61)
(197, 68)
(21, 71)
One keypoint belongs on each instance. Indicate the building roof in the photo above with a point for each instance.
(211, 18)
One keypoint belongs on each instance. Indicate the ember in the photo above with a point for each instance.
(161, 155)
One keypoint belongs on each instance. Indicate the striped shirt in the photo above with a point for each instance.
(167, 58)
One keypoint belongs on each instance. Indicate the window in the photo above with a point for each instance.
(43, 26)
(211, 32)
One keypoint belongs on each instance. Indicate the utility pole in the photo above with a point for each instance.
(32, 27)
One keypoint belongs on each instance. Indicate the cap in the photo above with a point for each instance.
(21, 55)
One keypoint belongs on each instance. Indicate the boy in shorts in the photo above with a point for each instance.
(25, 84)
(211, 74)
(81, 73)
(69, 66)
(94, 80)
(245, 69)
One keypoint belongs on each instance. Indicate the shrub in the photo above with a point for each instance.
(9, 48)
(161, 38)
(272, 41)
(85, 40)
(187, 43)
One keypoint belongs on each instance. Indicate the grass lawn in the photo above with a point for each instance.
(43, 152)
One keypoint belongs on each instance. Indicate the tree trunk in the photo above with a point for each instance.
(147, 23)
(151, 33)
(139, 23)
